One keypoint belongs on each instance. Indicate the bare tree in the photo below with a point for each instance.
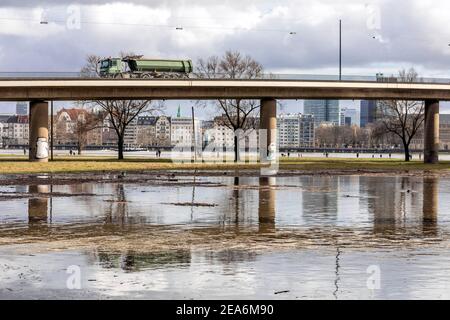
(84, 124)
(91, 68)
(238, 114)
(401, 117)
(118, 113)
(341, 136)
(379, 136)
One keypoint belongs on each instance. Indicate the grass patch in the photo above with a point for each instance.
(107, 164)
(359, 164)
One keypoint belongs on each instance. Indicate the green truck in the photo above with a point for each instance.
(138, 67)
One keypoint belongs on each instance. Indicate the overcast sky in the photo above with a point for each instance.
(378, 36)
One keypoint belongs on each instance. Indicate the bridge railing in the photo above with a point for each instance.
(266, 76)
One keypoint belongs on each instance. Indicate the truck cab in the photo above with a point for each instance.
(110, 67)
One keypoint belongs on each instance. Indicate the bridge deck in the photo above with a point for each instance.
(95, 89)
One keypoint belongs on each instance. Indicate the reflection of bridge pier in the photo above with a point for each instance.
(404, 204)
(38, 206)
(430, 204)
(266, 204)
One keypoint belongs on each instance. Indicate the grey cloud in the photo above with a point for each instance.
(314, 46)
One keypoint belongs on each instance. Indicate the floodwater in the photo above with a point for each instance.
(219, 237)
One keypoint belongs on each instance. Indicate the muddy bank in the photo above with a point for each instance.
(169, 177)
(265, 238)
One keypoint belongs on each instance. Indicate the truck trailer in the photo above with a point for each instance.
(138, 67)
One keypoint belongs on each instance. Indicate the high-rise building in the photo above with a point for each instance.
(341, 118)
(354, 116)
(369, 107)
(22, 108)
(368, 112)
(295, 130)
(323, 111)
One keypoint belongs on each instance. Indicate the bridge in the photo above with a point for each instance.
(40, 90)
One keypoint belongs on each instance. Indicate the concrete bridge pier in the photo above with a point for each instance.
(431, 132)
(268, 130)
(38, 123)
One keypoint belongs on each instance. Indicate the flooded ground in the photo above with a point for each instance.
(213, 237)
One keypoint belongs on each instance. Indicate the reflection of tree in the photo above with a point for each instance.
(229, 256)
(240, 204)
(117, 212)
(132, 262)
(236, 199)
(237, 204)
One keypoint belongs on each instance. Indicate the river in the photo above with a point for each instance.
(213, 237)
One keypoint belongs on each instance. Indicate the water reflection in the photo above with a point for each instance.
(116, 212)
(337, 273)
(38, 204)
(320, 199)
(250, 235)
(381, 206)
(430, 205)
(266, 204)
(132, 262)
(402, 204)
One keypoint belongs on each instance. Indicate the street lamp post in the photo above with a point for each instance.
(340, 49)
